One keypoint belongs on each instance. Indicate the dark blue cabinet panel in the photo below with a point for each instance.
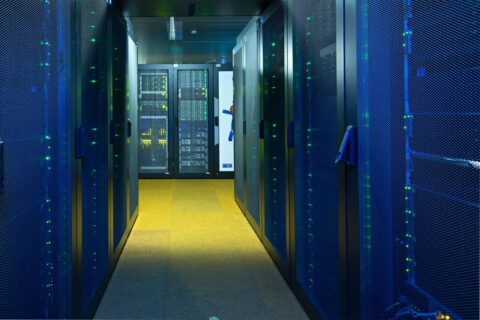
(119, 127)
(317, 256)
(95, 145)
(418, 75)
(36, 130)
(274, 173)
(252, 118)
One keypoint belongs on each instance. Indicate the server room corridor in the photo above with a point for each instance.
(240, 159)
(193, 255)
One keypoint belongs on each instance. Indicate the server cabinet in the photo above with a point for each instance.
(155, 116)
(419, 177)
(36, 155)
(194, 121)
(273, 157)
(317, 202)
(92, 144)
(247, 109)
(123, 121)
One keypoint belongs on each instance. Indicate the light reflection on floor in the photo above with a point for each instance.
(193, 255)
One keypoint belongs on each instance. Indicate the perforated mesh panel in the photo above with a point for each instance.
(94, 104)
(132, 97)
(316, 188)
(238, 96)
(419, 70)
(120, 118)
(35, 125)
(252, 112)
(274, 118)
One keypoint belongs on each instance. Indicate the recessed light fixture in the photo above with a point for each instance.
(194, 31)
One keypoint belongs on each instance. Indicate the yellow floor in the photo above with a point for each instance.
(193, 255)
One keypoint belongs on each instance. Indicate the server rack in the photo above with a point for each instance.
(105, 216)
(156, 121)
(176, 121)
(193, 102)
(418, 158)
(36, 136)
(369, 88)
(56, 177)
(123, 120)
(317, 201)
(92, 148)
(274, 170)
(247, 119)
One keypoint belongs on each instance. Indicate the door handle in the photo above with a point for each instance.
(348, 149)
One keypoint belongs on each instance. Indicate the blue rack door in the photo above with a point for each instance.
(274, 160)
(252, 119)
(316, 110)
(36, 162)
(92, 147)
(119, 133)
(419, 157)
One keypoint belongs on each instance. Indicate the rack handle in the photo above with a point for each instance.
(348, 149)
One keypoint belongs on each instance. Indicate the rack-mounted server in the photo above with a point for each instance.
(178, 106)
(154, 116)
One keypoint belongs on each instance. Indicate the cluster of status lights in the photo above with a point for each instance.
(408, 127)
(274, 135)
(94, 135)
(48, 207)
(309, 178)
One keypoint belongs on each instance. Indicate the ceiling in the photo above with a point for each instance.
(212, 39)
(178, 8)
